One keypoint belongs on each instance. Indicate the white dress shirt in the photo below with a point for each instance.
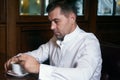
(77, 57)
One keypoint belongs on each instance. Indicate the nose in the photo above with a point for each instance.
(53, 25)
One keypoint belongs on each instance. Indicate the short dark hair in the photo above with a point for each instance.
(65, 5)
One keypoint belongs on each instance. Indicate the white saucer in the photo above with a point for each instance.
(16, 75)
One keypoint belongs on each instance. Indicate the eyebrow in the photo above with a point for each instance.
(54, 19)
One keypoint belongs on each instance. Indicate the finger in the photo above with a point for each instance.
(22, 63)
(7, 65)
(22, 57)
(13, 60)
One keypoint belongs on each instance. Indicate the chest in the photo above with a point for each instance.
(65, 56)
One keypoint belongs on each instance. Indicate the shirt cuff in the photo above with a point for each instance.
(45, 72)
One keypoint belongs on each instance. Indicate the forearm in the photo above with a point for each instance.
(41, 54)
(55, 73)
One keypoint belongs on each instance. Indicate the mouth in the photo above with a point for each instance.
(56, 33)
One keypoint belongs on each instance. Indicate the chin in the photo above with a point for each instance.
(60, 38)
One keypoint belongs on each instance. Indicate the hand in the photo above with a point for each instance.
(29, 63)
(7, 65)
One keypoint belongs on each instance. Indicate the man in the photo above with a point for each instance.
(73, 53)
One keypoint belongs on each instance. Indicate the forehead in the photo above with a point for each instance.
(56, 13)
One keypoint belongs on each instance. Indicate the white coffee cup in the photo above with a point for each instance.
(17, 69)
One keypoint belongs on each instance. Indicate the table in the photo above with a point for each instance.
(4, 76)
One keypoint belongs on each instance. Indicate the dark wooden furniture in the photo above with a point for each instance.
(111, 61)
(4, 76)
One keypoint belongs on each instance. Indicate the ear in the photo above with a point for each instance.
(73, 17)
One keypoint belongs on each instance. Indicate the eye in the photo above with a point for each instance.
(56, 21)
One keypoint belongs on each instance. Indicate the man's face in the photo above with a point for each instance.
(60, 24)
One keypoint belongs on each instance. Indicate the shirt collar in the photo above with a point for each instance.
(70, 36)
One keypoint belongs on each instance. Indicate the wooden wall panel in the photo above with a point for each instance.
(2, 11)
(2, 46)
(11, 28)
(84, 26)
(31, 37)
(109, 32)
